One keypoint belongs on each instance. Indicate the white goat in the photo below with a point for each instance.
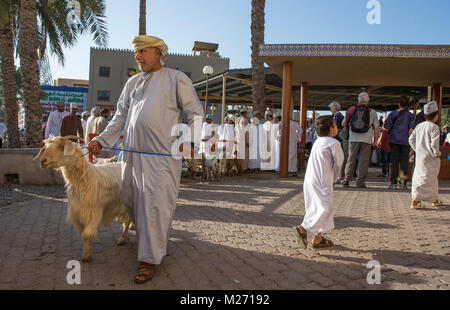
(98, 161)
(94, 191)
(213, 167)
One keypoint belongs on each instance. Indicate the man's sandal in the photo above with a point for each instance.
(324, 243)
(436, 204)
(416, 204)
(144, 273)
(302, 238)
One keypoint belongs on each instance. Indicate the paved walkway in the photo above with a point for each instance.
(235, 234)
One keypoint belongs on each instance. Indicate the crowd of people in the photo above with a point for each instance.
(72, 123)
(255, 142)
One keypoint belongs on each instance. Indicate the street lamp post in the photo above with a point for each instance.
(207, 70)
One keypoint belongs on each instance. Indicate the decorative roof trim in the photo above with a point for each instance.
(355, 50)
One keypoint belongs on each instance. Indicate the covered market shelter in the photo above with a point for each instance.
(425, 67)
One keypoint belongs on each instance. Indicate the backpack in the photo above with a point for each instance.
(360, 120)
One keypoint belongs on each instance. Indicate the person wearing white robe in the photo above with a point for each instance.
(295, 133)
(241, 138)
(424, 140)
(226, 137)
(150, 107)
(206, 133)
(95, 112)
(324, 166)
(277, 135)
(54, 121)
(254, 162)
(84, 117)
(267, 144)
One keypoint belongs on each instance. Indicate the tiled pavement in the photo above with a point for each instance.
(235, 234)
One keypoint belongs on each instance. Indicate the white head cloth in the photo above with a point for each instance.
(430, 108)
(141, 42)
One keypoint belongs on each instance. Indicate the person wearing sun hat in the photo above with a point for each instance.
(151, 105)
(424, 140)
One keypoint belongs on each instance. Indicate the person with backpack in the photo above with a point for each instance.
(400, 124)
(335, 108)
(363, 134)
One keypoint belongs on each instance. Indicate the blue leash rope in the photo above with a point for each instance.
(131, 151)
(124, 150)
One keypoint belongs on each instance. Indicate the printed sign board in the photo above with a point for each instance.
(67, 95)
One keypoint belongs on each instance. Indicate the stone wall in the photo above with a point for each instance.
(18, 165)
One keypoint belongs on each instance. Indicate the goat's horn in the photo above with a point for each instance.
(40, 153)
(74, 137)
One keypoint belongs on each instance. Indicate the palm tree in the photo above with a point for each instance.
(8, 76)
(142, 17)
(258, 78)
(60, 31)
(28, 51)
(54, 29)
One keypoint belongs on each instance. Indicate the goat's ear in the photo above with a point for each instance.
(40, 153)
(69, 148)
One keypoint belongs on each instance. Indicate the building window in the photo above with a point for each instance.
(103, 95)
(105, 71)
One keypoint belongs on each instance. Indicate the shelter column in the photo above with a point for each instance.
(303, 109)
(437, 96)
(224, 90)
(286, 111)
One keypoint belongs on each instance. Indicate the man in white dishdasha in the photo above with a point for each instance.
(150, 105)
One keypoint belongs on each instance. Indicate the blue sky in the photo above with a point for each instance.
(227, 22)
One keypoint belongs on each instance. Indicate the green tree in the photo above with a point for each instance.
(8, 10)
(53, 23)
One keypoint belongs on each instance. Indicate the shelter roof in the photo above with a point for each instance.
(361, 64)
(239, 92)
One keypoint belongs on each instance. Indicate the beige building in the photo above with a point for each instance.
(111, 68)
(71, 83)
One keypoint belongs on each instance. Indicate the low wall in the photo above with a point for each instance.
(20, 163)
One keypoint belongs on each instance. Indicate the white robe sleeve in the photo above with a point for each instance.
(412, 140)
(114, 129)
(338, 160)
(435, 141)
(49, 125)
(187, 98)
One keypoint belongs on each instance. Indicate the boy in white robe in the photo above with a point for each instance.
(424, 140)
(276, 129)
(254, 161)
(324, 166)
(226, 138)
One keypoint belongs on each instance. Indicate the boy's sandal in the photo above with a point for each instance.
(324, 243)
(416, 205)
(302, 238)
(144, 273)
(437, 203)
